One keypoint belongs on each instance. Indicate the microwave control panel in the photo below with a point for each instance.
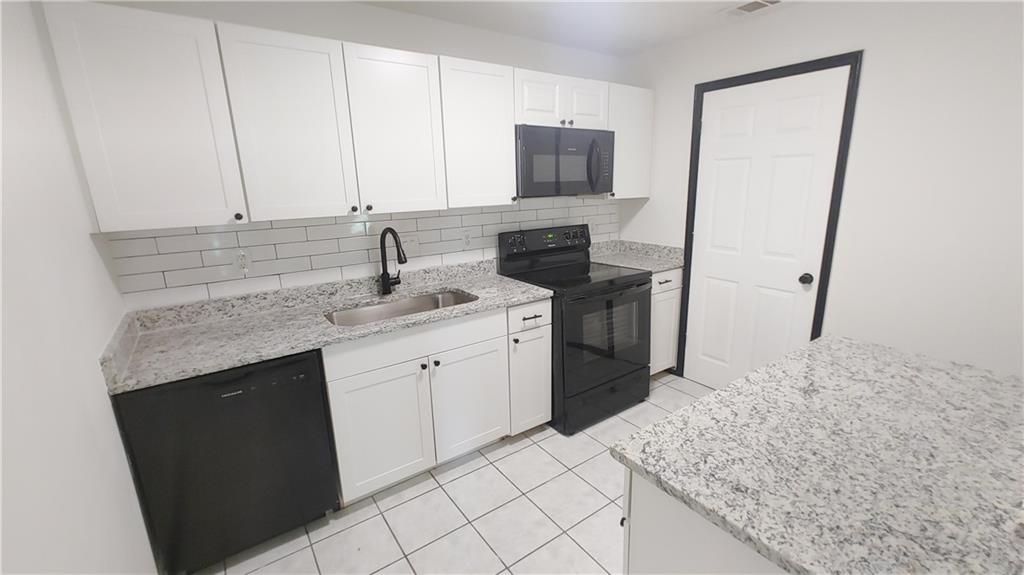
(543, 240)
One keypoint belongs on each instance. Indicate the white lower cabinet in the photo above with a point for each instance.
(383, 426)
(665, 329)
(469, 390)
(529, 378)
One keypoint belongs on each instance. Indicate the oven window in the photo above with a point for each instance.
(610, 331)
(570, 169)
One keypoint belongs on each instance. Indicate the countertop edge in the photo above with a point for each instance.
(717, 520)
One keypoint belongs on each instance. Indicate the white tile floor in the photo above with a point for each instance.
(539, 502)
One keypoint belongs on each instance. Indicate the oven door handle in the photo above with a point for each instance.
(618, 291)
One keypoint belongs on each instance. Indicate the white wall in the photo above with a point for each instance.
(356, 22)
(68, 501)
(928, 254)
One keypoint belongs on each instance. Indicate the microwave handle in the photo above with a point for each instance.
(592, 153)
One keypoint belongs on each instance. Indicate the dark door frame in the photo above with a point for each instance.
(851, 59)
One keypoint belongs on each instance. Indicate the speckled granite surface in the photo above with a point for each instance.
(847, 457)
(167, 344)
(650, 257)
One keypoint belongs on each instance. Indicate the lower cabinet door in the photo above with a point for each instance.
(469, 388)
(530, 378)
(665, 329)
(383, 426)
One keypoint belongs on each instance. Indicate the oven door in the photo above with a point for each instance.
(563, 161)
(606, 335)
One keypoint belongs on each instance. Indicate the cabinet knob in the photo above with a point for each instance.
(239, 216)
(515, 340)
(437, 363)
(515, 198)
(562, 122)
(611, 194)
(355, 209)
(571, 122)
(369, 207)
(423, 366)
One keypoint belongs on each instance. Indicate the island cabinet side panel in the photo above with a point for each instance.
(666, 536)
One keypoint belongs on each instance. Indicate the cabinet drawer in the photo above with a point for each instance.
(529, 316)
(664, 281)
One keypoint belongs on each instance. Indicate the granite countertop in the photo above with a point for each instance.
(167, 344)
(651, 257)
(848, 457)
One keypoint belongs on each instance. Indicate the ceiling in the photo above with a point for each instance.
(616, 28)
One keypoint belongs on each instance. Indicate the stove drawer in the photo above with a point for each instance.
(664, 281)
(529, 316)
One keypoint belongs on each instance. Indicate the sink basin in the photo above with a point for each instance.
(397, 308)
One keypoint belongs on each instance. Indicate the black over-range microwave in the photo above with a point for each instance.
(563, 161)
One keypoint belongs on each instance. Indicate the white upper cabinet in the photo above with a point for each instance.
(290, 108)
(631, 117)
(544, 99)
(479, 132)
(395, 100)
(150, 112)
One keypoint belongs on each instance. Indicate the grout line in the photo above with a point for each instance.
(470, 523)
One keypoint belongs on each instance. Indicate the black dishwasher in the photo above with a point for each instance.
(224, 461)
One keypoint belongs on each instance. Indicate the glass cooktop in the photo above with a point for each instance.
(580, 276)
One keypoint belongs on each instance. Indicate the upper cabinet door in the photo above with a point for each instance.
(147, 101)
(586, 104)
(395, 98)
(290, 107)
(544, 99)
(537, 98)
(479, 132)
(631, 117)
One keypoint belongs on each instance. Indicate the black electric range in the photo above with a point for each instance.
(601, 323)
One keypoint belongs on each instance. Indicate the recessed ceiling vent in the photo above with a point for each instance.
(755, 6)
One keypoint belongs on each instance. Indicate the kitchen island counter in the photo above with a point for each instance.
(849, 457)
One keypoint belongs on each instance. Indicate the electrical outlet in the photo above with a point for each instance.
(465, 238)
(243, 261)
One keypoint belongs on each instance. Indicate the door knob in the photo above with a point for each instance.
(806, 279)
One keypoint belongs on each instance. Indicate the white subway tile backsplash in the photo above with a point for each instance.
(230, 255)
(202, 275)
(128, 248)
(338, 260)
(311, 277)
(169, 296)
(280, 236)
(197, 242)
(149, 233)
(199, 263)
(233, 227)
(346, 230)
(303, 222)
(438, 223)
(520, 216)
(359, 271)
(248, 285)
(481, 219)
(146, 264)
(462, 257)
(140, 282)
(307, 248)
(278, 266)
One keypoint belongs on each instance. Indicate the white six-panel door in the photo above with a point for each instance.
(479, 132)
(767, 160)
(146, 96)
(290, 106)
(395, 98)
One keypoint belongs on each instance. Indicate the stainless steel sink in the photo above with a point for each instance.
(406, 306)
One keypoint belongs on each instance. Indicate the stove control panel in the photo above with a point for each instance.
(545, 239)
